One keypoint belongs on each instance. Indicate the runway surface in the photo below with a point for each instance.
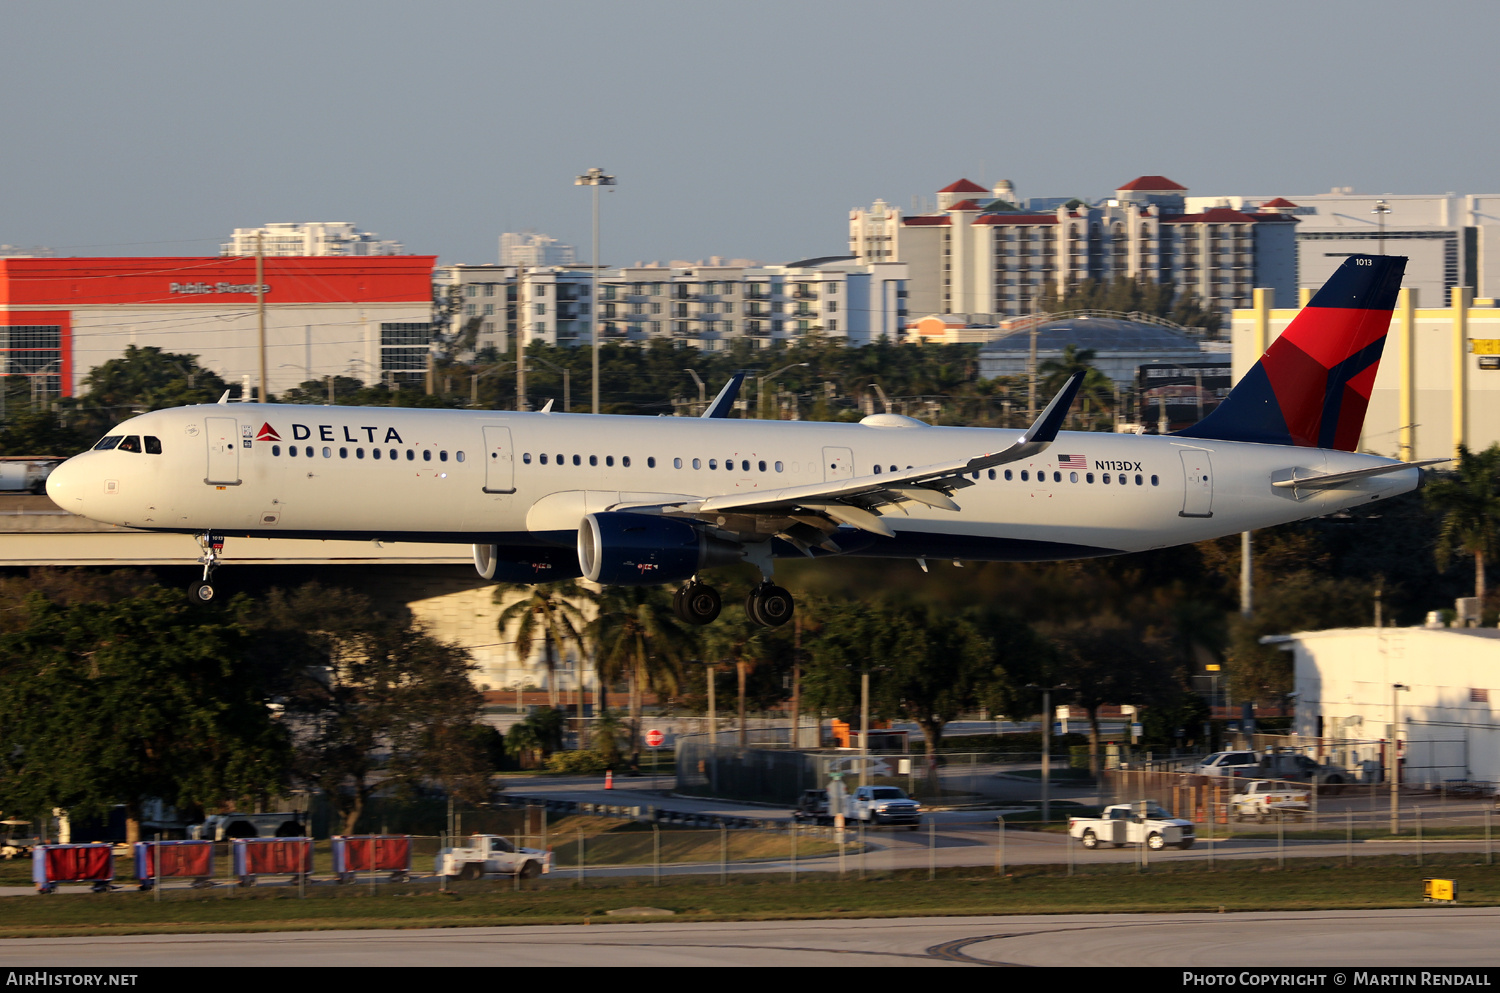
(1429, 937)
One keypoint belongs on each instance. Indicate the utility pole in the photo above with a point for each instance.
(1393, 772)
(260, 307)
(1247, 588)
(864, 728)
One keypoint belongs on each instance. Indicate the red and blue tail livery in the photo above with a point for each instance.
(1313, 384)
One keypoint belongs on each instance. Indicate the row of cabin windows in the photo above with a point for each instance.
(307, 451)
(730, 465)
(609, 460)
(1057, 476)
(151, 444)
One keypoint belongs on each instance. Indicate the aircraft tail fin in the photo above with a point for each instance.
(1312, 385)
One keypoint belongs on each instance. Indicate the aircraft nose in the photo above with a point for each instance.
(65, 485)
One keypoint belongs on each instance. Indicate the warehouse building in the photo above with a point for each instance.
(366, 317)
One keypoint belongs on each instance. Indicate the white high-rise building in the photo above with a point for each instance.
(531, 248)
(309, 238)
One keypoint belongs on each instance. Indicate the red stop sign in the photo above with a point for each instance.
(654, 738)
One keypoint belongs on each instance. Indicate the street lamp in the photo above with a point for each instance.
(760, 388)
(702, 390)
(567, 381)
(596, 178)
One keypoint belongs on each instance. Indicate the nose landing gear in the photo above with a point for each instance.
(202, 590)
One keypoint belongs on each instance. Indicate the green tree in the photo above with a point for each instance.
(42, 432)
(1469, 504)
(147, 378)
(376, 703)
(118, 702)
(1104, 660)
(537, 736)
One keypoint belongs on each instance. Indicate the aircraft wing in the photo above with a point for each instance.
(859, 502)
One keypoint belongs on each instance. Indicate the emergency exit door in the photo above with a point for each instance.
(223, 451)
(1198, 473)
(499, 460)
(838, 463)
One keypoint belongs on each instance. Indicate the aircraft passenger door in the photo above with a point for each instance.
(499, 460)
(838, 463)
(1198, 498)
(223, 451)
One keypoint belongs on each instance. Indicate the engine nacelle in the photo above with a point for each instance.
(623, 549)
(511, 564)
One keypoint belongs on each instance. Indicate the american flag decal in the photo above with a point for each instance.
(1072, 462)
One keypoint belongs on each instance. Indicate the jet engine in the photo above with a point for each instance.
(623, 549)
(511, 564)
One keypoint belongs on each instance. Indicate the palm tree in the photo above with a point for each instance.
(1096, 386)
(550, 612)
(636, 636)
(744, 644)
(1470, 506)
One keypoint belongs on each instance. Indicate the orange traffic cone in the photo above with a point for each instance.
(609, 779)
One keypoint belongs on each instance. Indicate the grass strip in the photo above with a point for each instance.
(1377, 882)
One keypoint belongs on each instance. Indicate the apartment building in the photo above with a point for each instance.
(308, 239)
(703, 306)
(987, 251)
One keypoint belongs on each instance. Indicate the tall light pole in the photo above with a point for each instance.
(1394, 766)
(1381, 209)
(702, 390)
(596, 178)
(1047, 747)
(760, 388)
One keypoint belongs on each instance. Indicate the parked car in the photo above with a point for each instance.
(1234, 764)
(1262, 799)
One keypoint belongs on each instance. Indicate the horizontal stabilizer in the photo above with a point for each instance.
(1322, 480)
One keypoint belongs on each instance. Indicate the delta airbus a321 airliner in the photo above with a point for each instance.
(635, 501)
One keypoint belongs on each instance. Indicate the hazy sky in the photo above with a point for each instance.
(737, 129)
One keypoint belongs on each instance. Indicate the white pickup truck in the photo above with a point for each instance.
(1264, 798)
(1133, 824)
(492, 854)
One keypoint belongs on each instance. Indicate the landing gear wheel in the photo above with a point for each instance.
(769, 606)
(697, 603)
(201, 591)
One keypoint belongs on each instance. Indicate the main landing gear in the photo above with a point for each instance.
(767, 605)
(202, 590)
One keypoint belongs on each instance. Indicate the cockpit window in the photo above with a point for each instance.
(153, 445)
(132, 443)
(108, 441)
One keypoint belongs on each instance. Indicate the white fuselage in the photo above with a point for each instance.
(503, 477)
